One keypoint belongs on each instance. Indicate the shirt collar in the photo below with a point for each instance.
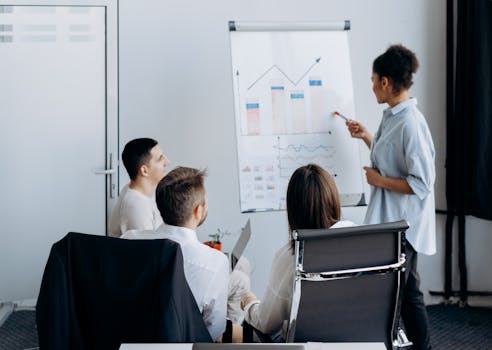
(141, 194)
(401, 106)
(178, 233)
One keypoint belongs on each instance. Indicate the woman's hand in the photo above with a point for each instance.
(373, 176)
(359, 131)
(247, 298)
(356, 129)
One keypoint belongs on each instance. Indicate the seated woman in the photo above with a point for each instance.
(312, 202)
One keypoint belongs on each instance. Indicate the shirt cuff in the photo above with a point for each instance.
(248, 306)
(418, 187)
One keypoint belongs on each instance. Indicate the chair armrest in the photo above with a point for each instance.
(227, 335)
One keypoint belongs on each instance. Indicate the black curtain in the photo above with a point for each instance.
(469, 141)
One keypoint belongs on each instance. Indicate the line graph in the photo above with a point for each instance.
(292, 156)
(301, 147)
(285, 86)
(294, 82)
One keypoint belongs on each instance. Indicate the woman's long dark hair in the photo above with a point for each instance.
(312, 199)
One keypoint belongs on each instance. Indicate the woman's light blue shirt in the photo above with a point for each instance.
(402, 148)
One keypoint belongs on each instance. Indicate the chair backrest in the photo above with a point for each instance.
(98, 292)
(348, 283)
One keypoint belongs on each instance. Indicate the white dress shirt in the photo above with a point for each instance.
(271, 315)
(402, 148)
(133, 211)
(206, 271)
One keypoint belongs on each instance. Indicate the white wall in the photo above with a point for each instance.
(175, 86)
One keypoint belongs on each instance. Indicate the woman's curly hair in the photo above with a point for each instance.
(398, 64)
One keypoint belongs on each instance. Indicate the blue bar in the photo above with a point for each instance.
(252, 105)
(277, 87)
(315, 83)
(296, 96)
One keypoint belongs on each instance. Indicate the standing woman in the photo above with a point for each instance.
(402, 175)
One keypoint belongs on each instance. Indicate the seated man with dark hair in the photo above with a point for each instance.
(182, 202)
(136, 208)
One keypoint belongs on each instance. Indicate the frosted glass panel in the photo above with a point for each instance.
(52, 135)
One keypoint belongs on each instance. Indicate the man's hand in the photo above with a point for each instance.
(247, 298)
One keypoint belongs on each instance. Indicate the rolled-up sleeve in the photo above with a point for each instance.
(269, 315)
(419, 157)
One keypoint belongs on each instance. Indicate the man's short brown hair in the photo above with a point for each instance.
(178, 194)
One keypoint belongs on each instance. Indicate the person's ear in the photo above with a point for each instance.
(143, 170)
(197, 212)
(384, 81)
(387, 84)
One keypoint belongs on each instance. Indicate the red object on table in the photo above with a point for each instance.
(215, 245)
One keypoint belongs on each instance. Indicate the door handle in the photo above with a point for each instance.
(104, 172)
(112, 171)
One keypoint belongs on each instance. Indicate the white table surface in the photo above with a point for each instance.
(310, 346)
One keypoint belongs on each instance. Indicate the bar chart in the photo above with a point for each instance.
(286, 86)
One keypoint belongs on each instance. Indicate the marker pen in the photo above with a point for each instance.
(341, 116)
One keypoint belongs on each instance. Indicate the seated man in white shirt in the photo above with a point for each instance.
(136, 208)
(182, 202)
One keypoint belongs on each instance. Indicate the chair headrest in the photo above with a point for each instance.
(313, 234)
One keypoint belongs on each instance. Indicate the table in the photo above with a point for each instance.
(238, 346)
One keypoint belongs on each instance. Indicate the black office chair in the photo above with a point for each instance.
(98, 292)
(348, 284)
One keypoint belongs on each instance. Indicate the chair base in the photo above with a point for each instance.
(401, 341)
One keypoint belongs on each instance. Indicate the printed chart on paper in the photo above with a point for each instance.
(286, 87)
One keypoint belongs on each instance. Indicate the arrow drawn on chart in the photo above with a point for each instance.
(285, 75)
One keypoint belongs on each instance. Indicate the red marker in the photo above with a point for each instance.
(341, 116)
